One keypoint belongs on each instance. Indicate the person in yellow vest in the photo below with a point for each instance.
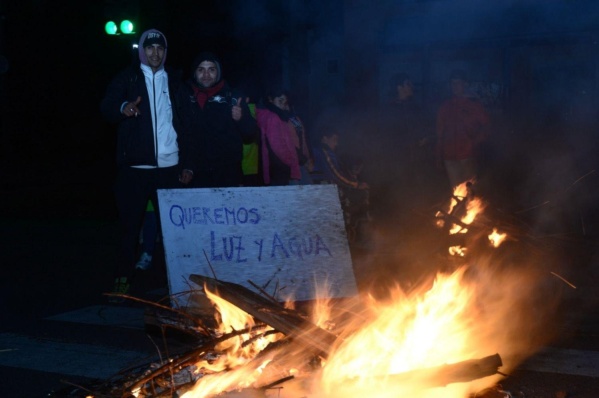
(251, 158)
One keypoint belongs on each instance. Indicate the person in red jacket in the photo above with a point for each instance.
(462, 125)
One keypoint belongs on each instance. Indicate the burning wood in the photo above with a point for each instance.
(453, 373)
(294, 325)
(384, 347)
(463, 209)
(286, 321)
(272, 367)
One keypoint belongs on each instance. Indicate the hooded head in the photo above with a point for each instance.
(278, 96)
(147, 39)
(276, 91)
(208, 74)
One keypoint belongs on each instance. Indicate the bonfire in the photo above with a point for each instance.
(455, 335)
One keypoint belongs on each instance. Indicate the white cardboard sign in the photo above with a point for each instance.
(289, 240)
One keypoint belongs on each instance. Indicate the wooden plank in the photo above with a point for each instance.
(284, 320)
(452, 373)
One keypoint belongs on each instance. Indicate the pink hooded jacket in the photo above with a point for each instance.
(281, 138)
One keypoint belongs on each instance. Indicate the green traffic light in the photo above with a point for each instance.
(110, 28)
(127, 27)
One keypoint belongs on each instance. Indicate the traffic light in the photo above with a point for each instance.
(126, 27)
(110, 28)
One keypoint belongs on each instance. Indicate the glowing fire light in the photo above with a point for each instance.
(460, 316)
(232, 319)
(451, 321)
(412, 332)
(457, 251)
(462, 197)
(473, 206)
(238, 353)
(496, 238)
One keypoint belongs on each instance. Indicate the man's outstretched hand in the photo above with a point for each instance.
(131, 108)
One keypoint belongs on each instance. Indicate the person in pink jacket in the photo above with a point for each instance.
(280, 160)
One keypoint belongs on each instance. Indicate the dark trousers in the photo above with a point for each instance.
(280, 173)
(133, 188)
(219, 176)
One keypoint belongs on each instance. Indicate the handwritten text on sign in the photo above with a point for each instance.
(287, 240)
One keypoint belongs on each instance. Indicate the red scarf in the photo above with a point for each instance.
(202, 94)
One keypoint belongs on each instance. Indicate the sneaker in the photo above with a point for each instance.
(121, 286)
(145, 262)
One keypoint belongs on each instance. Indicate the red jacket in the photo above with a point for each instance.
(461, 126)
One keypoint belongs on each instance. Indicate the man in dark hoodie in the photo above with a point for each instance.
(217, 120)
(138, 100)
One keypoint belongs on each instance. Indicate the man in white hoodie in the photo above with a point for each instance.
(138, 100)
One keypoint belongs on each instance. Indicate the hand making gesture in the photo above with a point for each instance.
(130, 109)
(236, 111)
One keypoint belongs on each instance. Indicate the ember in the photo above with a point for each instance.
(463, 209)
(497, 238)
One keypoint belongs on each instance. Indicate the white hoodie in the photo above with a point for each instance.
(165, 136)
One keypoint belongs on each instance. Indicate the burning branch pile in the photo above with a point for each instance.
(278, 350)
(430, 342)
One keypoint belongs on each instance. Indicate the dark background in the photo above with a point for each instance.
(533, 64)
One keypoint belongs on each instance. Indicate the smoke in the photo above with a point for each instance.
(531, 62)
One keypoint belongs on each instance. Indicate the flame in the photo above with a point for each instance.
(235, 366)
(464, 206)
(474, 206)
(232, 319)
(464, 315)
(471, 313)
(321, 313)
(497, 238)
(411, 332)
(457, 251)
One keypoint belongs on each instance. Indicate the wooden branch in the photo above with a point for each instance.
(454, 373)
(277, 382)
(193, 319)
(286, 321)
(189, 358)
(455, 220)
(274, 300)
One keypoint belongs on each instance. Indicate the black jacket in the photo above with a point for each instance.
(135, 139)
(216, 140)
